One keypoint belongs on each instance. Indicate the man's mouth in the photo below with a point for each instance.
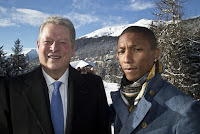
(130, 69)
(54, 56)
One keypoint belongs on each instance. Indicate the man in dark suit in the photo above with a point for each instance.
(27, 102)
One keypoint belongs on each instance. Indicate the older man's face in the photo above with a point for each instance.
(55, 48)
(135, 55)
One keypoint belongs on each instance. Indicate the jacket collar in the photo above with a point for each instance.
(36, 96)
(132, 120)
(76, 88)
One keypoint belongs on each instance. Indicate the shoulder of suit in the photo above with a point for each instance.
(25, 75)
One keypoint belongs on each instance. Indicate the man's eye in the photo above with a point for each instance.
(121, 52)
(47, 42)
(137, 49)
(63, 43)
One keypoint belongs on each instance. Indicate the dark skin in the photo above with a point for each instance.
(85, 70)
(135, 55)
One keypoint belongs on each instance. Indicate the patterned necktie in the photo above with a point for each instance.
(57, 109)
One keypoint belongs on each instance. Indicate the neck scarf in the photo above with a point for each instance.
(132, 92)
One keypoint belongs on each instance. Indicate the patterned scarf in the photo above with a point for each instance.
(132, 92)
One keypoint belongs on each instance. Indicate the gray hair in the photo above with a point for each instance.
(59, 20)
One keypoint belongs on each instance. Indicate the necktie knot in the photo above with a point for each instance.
(57, 85)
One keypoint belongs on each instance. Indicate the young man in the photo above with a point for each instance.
(145, 103)
(54, 98)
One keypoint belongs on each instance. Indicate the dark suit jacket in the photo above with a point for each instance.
(25, 106)
(2, 77)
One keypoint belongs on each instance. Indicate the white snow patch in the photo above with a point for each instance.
(116, 30)
(81, 63)
(108, 88)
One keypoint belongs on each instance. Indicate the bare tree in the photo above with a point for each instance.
(169, 10)
(180, 49)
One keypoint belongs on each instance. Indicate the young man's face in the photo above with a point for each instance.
(55, 49)
(135, 55)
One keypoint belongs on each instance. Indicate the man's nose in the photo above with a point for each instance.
(54, 46)
(128, 57)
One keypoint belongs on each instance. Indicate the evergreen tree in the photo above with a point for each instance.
(2, 62)
(17, 59)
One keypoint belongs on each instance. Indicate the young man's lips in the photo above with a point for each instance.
(129, 69)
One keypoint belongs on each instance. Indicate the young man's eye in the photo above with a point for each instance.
(137, 49)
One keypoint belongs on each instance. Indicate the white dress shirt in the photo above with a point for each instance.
(63, 90)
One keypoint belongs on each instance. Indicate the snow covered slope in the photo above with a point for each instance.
(116, 30)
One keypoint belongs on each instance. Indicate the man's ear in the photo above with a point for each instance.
(156, 53)
(37, 45)
(73, 49)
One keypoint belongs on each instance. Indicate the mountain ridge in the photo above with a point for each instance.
(106, 32)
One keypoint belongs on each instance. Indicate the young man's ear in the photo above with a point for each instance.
(156, 54)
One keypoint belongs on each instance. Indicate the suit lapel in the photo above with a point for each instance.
(76, 85)
(132, 120)
(119, 106)
(36, 96)
(136, 116)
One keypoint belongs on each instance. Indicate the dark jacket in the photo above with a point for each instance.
(162, 110)
(25, 106)
(2, 77)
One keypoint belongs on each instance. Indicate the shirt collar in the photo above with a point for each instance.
(50, 80)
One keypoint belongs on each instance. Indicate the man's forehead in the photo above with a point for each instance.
(128, 45)
(133, 35)
(132, 41)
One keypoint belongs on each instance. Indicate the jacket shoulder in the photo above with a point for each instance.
(20, 80)
(173, 98)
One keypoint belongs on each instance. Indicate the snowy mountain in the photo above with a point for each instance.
(116, 30)
(31, 53)
(113, 31)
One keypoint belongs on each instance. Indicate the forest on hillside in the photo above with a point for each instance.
(178, 40)
(180, 53)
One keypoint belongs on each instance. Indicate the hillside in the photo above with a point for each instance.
(181, 56)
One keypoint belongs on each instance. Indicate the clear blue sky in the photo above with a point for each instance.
(21, 18)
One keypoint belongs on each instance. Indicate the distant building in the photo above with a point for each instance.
(81, 63)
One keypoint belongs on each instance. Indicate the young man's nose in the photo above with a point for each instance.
(128, 57)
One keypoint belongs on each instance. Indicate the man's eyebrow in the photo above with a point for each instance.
(134, 45)
(121, 47)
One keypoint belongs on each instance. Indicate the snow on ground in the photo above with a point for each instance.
(108, 88)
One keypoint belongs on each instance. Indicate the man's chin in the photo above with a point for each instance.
(51, 67)
(131, 78)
